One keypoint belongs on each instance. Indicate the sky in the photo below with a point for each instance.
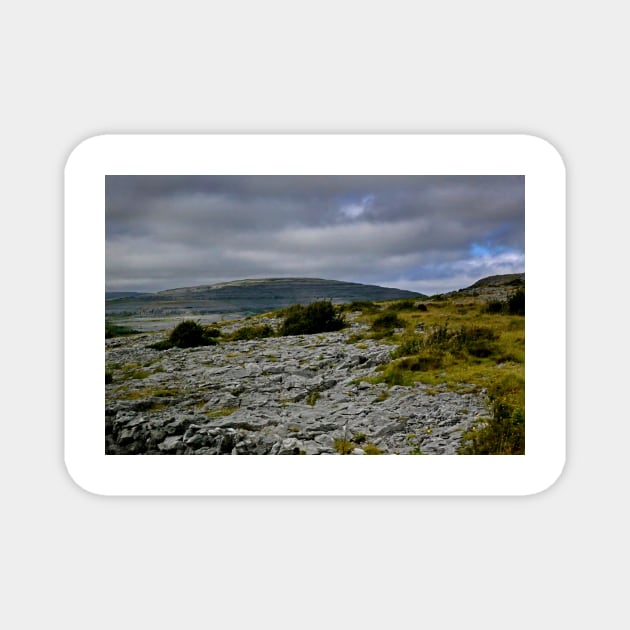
(430, 234)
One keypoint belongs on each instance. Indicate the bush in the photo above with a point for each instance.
(429, 359)
(410, 345)
(516, 303)
(317, 317)
(387, 321)
(360, 305)
(402, 305)
(187, 334)
(422, 307)
(115, 330)
(477, 341)
(495, 306)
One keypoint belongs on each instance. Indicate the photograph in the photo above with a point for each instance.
(314, 314)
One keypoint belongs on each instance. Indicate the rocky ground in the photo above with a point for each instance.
(276, 396)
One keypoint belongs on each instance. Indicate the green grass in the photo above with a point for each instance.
(467, 349)
(312, 398)
(503, 432)
(371, 449)
(115, 330)
(344, 447)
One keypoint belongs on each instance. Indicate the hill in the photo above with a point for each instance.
(514, 279)
(112, 295)
(250, 296)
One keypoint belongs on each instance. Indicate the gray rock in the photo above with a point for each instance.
(325, 440)
(290, 446)
(171, 443)
(270, 399)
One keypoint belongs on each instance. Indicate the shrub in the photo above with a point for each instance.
(428, 350)
(429, 359)
(478, 341)
(411, 345)
(422, 307)
(495, 306)
(387, 321)
(402, 305)
(317, 317)
(115, 330)
(187, 334)
(516, 303)
(438, 336)
(364, 306)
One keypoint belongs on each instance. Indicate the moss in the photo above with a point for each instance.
(344, 447)
(312, 398)
(370, 449)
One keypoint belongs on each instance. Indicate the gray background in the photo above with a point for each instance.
(72, 70)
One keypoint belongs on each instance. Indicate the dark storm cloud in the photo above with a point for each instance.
(426, 233)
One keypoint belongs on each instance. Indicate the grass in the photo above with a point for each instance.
(467, 348)
(344, 447)
(503, 432)
(371, 449)
(133, 371)
(312, 398)
(115, 330)
(386, 322)
(151, 399)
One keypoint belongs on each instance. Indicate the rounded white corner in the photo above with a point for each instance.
(551, 478)
(77, 481)
(547, 150)
(84, 149)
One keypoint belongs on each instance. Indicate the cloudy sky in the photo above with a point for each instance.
(424, 233)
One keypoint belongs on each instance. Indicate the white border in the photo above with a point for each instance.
(525, 155)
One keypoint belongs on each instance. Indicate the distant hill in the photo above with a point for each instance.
(113, 295)
(250, 296)
(491, 287)
(515, 279)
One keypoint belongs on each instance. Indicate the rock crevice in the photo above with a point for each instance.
(305, 394)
